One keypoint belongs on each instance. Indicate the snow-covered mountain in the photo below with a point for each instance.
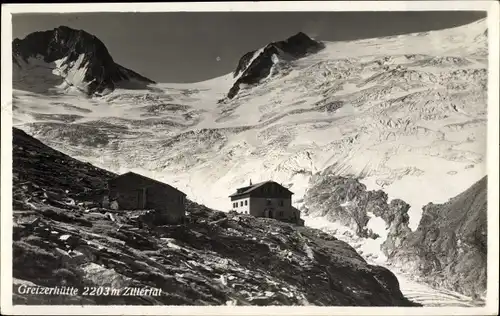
(403, 113)
(67, 59)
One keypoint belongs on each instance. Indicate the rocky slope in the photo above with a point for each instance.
(65, 58)
(62, 237)
(449, 248)
(39, 168)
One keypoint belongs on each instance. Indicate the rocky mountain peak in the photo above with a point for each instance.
(61, 42)
(299, 45)
(74, 51)
(256, 65)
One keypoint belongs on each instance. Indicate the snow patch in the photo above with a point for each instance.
(378, 226)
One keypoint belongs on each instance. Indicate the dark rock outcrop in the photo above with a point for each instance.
(347, 201)
(77, 48)
(215, 258)
(449, 247)
(252, 70)
(398, 226)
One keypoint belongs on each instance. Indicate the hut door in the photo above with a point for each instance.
(141, 198)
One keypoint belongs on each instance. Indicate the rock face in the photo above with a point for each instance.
(215, 258)
(347, 201)
(449, 248)
(75, 55)
(257, 65)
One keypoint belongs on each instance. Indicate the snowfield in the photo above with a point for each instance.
(406, 114)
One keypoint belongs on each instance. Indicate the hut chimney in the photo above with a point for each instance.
(250, 181)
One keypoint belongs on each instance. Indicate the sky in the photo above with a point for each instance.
(196, 46)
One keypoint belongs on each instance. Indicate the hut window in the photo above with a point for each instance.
(246, 202)
(241, 203)
(268, 202)
(281, 203)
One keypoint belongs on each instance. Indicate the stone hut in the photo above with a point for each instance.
(132, 191)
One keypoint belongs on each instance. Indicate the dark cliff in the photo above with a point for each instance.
(449, 247)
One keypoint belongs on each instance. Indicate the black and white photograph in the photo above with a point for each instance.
(240, 158)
